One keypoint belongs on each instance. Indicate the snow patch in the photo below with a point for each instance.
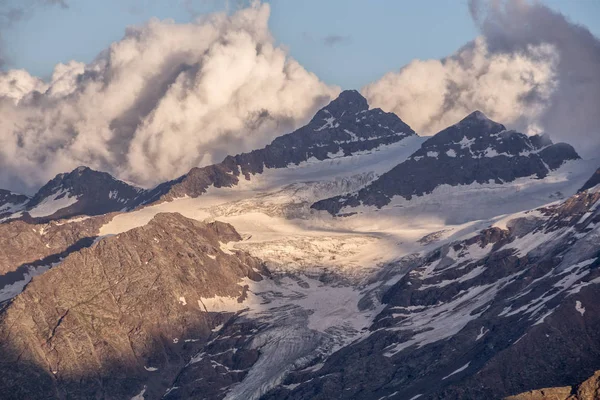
(140, 395)
(482, 333)
(328, 124)
(579, 307)
(52, 204)
(461, 369)
(220, 304)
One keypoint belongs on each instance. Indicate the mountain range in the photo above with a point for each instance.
(349, 259)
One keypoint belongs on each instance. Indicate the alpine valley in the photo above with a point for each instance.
(349, 259)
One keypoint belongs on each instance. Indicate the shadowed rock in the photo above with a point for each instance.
(593, 181)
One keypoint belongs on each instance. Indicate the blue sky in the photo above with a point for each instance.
(345, 42)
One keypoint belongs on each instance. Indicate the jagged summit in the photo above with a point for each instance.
(343, 127)
(475, 116)
(474, 125)
(348, 102)
(77, 182)
(83, 191)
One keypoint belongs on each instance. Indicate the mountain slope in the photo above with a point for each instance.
(475, 150)
(509, 309)
(109, 319)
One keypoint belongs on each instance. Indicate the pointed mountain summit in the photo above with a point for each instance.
(477, 122)
(349, 102)
(343, 127)
(475, 150)
(82, 191)
(474, 125)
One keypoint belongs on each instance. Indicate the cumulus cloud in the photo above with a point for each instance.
(165, 98)
(530, 69)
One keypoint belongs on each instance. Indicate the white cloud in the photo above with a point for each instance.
(531, 69)
(433, 94)
(165, 98)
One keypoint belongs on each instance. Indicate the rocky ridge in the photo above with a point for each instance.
(343, 128)
(475, 150)
(104, 321)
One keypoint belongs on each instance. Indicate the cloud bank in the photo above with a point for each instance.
(530, 69)
(165, 98)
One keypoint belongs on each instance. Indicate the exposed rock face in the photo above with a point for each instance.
(104, 322)
(194, 183)
(476, 150)
(80, 192)
(27, 249)
(511, 309)
(593, 181)
(344, 127)
(588, 390)
(11, 202)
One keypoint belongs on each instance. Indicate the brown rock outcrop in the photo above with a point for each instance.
(588, 390)
(103, 322)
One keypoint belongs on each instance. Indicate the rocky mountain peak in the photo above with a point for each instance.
(74, 181)
(82, 191)
(348, 102)
(478, 122)
(474, 126)
(540, 141)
